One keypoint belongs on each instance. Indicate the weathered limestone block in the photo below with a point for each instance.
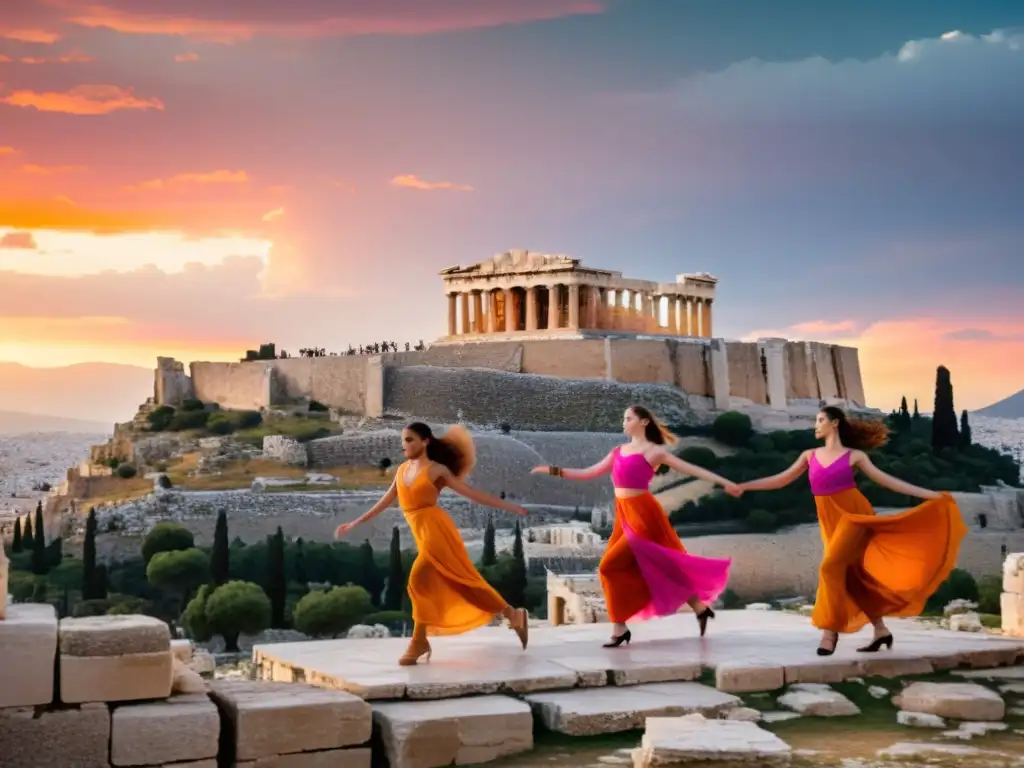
(672, 741)
(741, 677)
(66, 738)
(28, 645)
(186, 680)
(182, 650)
(1013, 573)
(177, 730)
(330, 758)
(267, 719)
(464, 731)
(1012, 608)
(957, 701)
(589, 712)
(817, 701)
(114, 658)
(919, 720)
(965, 622)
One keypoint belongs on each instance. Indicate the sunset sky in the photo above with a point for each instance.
(191, 182)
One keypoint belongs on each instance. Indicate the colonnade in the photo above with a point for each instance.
(576, 306)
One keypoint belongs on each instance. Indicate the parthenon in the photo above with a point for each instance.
(519, 294)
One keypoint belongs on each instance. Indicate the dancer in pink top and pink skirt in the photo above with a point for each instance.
(646, 571)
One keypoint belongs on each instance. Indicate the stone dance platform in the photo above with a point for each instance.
(748, 651)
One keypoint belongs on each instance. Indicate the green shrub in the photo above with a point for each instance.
(732, 428)
(990, 590)
(731, 601)
(159, 418)
(220, 424)
(700, 456)
(331, 613)
(959, 586)
(762, 521)
(188, 420)
(192, 404)
(126, 471)
(315, 406)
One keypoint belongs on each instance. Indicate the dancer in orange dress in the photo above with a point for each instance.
(646, 571)
(448, 594)
(874, 566)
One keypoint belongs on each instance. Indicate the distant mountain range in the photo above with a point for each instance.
(53, 399)
(1011, 407)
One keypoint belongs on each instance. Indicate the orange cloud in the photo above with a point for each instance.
(83, 100)
(50, 170)
(382, 17)
(410, 181)
(898, 357)
(74, 57)
(7, 151)
(40, 36)
(188, 56)
(274, 214)
(212, 177)
(18, 240)
(5, 59)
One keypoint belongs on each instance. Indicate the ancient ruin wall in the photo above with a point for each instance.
(746, 376)
(491, 398)
(566, 358)
(800, 381)
(241, 386)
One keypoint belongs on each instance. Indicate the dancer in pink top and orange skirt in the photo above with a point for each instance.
(646, 571)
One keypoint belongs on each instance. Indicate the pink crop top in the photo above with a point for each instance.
(836, 477)
(631, 472)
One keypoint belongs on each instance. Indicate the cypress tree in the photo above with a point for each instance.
(965, 431)
(220, 555)
(517, 577)
(904, 414)
(39, 560)
(944, 428)
(371, 579)
(90, 582)
(101, 581)
(490, 556)
(395, 589)
(917, 414)
(27, 537)
(301, 576)
(16, 539)
(277, 581)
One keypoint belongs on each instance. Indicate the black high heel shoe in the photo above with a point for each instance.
(876, 645)
(823, 651)
(625, 637)
(702, 619)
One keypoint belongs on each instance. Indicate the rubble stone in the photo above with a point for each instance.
(28, 646)
(957, 701)
(671, 741)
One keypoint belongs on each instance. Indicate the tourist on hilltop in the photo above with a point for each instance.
(646, 571)
(874, 566)
(448, 595)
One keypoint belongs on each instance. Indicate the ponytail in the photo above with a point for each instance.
(857, 434)
(655, 432)
(455, 450)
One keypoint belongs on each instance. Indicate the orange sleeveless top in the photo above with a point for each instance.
(419, 493)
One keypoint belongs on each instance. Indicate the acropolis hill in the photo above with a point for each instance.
(545, 343)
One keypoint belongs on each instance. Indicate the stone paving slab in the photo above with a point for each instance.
(489, 661)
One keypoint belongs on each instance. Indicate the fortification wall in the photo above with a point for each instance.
(716, 369)
(481, 397)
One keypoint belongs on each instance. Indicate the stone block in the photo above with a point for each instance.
(453, 731)
(957, 701)
(114, 658)
(182, 650)
(738, 677)
(817, 701)
(1012, 608)
(267, 719)
(178, 730)
(821, 672)
(919, 720)
(1013, 573)
(678, 741)
(330, 758)
(78, 737)
(589, 712)
(28, 646)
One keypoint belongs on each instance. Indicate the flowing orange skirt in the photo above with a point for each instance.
(448, 594)
(877, 566)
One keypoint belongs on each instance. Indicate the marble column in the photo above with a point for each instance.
(554, 307)
(478, 312)
(591, 321)
(574, 306)
(705, 319)
(451, 314)
(691, 319)
(492, 311)
(647, 311)
(464, 310)
(510, 311)
(531, 308)
(673, 314)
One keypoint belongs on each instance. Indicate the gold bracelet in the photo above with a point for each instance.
(555, 471)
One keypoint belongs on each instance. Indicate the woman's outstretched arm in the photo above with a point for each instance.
(672, 461)
(603, 467)
(449, 480)
(385, 501)
(780, 480)
(859, 459)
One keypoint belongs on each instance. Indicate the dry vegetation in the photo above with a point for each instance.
(240, 474)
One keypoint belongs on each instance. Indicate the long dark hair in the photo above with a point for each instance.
(857, 434)
(654, 431)
(441, 450)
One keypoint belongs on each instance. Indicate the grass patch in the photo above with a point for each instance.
(240, 474)
(297, 427)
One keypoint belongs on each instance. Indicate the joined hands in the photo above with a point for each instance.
(734, 490)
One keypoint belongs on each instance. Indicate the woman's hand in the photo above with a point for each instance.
(344, 528)
(543, 470)
(734, 490)
(934, 495)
